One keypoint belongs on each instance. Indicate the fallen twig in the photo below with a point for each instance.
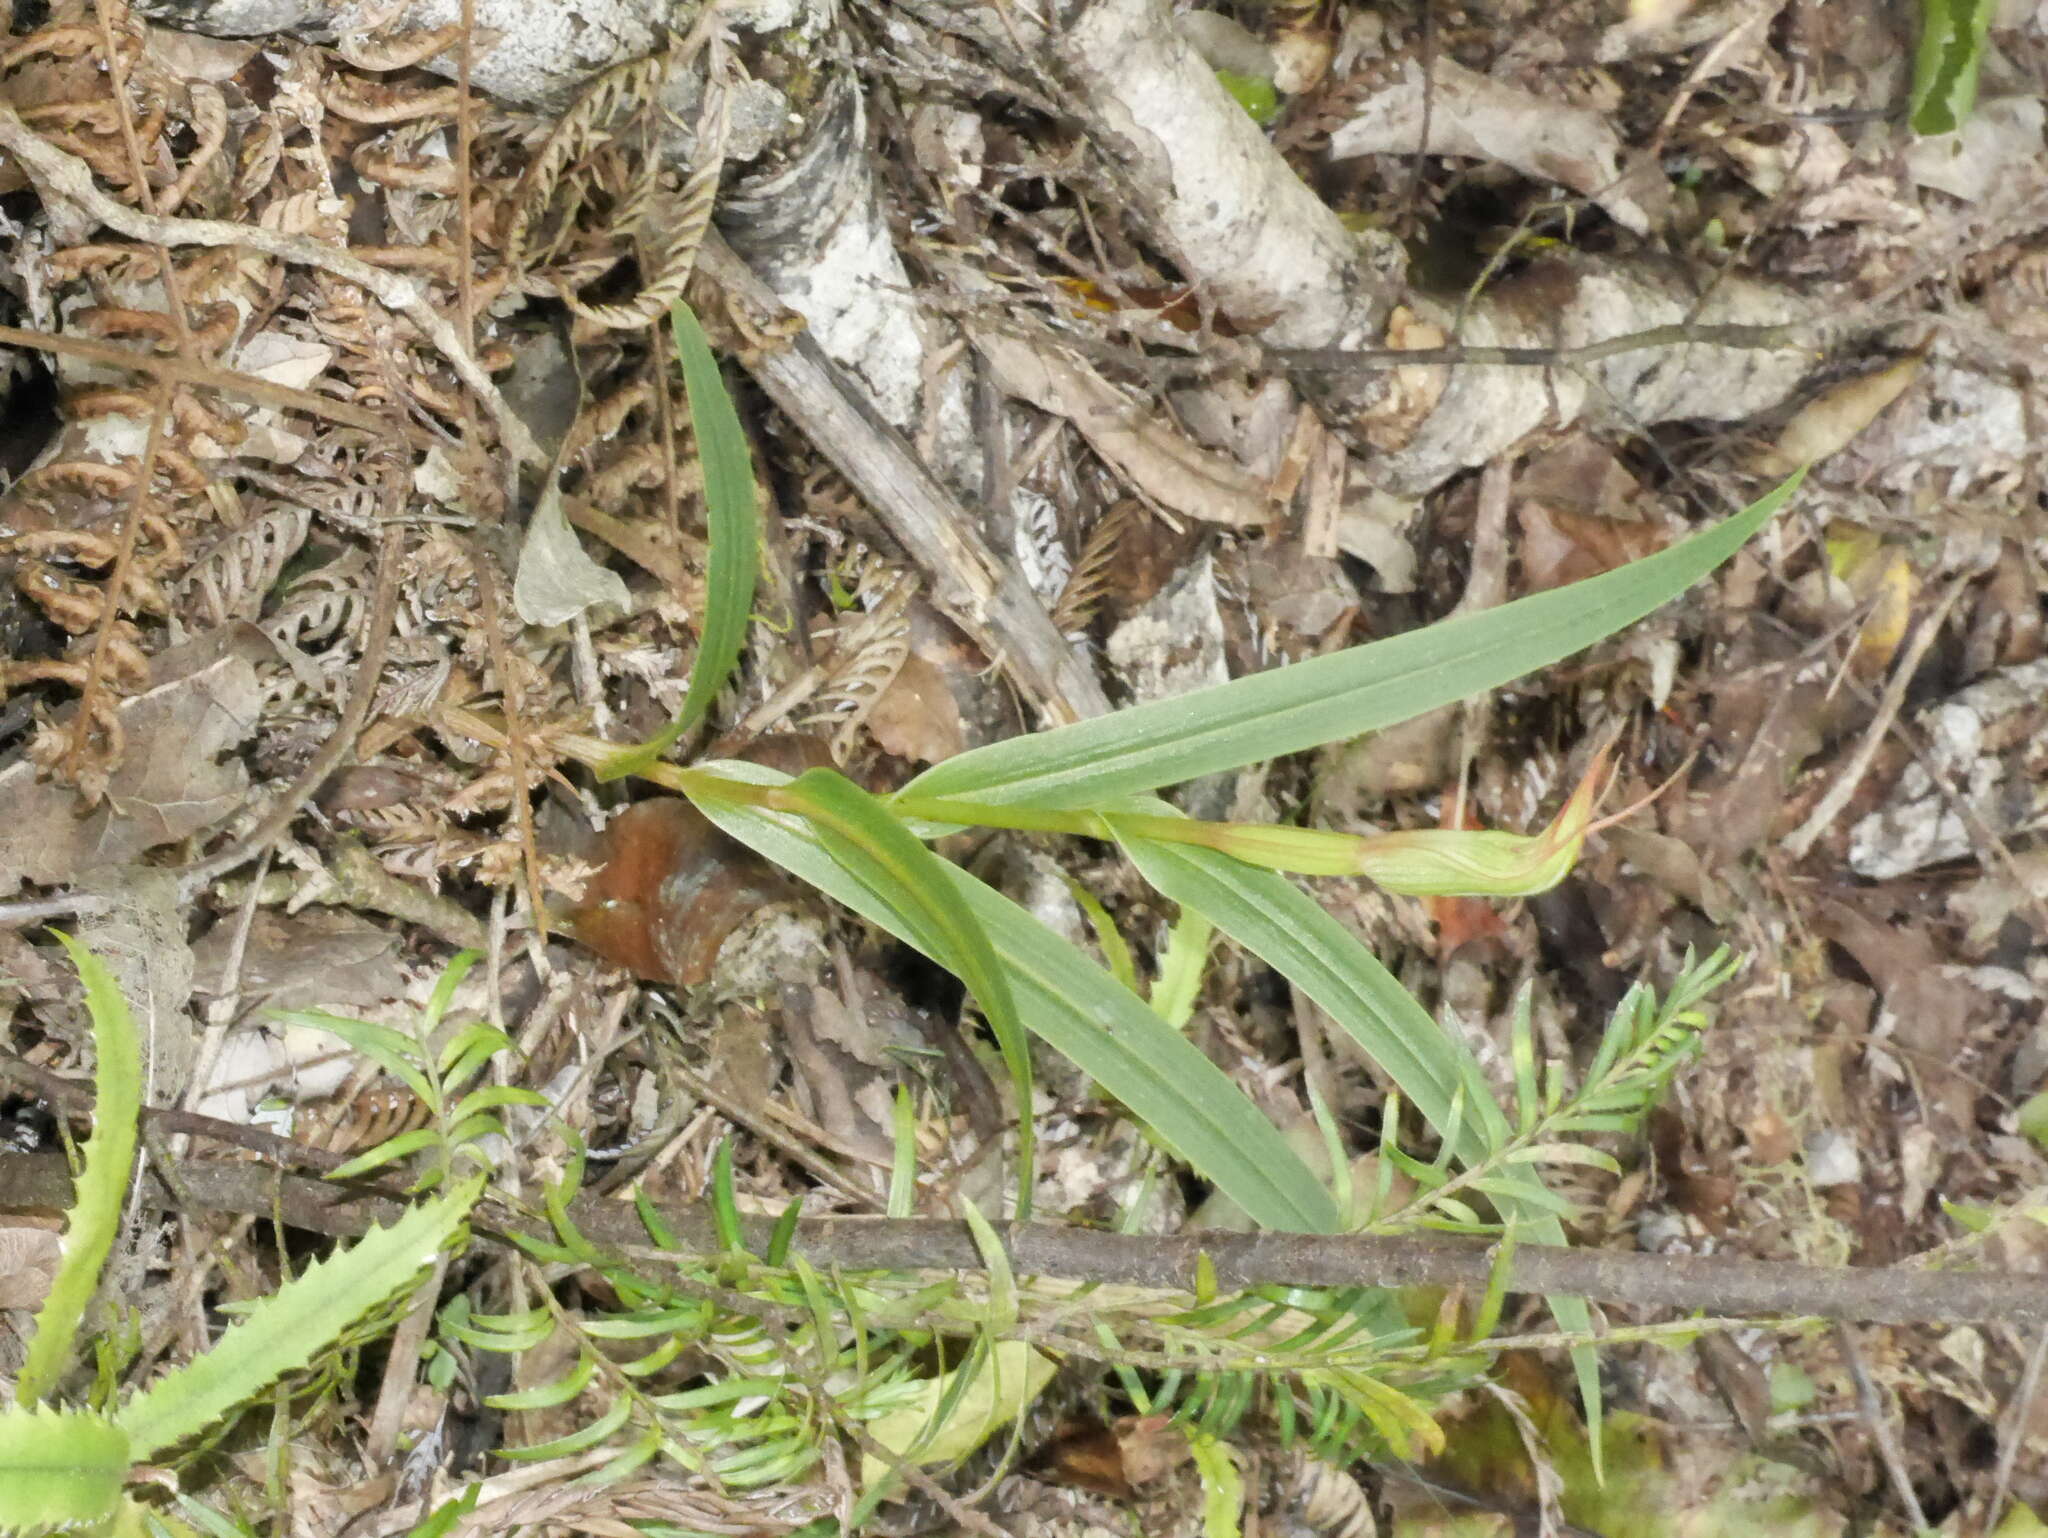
(1882, 1295)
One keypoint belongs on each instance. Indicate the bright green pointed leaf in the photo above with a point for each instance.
(1329, 699)
(102, 1186)
(735, 529)
(1082, 1012)
(867, 839)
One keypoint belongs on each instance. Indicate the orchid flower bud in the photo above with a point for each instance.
(1431, 862)
(1444, 862)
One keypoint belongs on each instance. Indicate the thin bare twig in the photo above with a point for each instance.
(1881, 1295)
(191, 371)
(974, 587)
(1839, 793)
(1877, 1420)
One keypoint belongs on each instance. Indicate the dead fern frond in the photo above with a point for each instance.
(668, 249)
(363, 101)
(609, 97)
(230, 581)
(516, 730)
(377, 56)
(1090, 580)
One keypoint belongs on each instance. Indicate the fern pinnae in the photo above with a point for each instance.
(1646, 1041)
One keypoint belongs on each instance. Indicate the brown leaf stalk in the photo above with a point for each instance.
(1718, 1284)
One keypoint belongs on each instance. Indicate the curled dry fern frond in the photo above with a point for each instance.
(609, 96)
(670, 236)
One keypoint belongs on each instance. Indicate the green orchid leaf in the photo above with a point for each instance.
(1328, 699)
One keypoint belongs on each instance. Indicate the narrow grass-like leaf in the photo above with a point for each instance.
(59, 1469)
(441, 1521)
(576, 1441)
(725, 1207)
(1082, 1012)
(1278, 922)
(903, 1164)
(546, 1396)
(734, 525)
(389, 1151)
(867, 839)
(390, 1049)
(1327, 699)
(1002, 1282)
(1281, 925)
(95, 1215)
(492, 1096)
(784, 1233)
(444, 991)
(1179, 984)
(286, 1330)
(1115, 949)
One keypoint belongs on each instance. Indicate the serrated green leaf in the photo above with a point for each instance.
(59, 1468)
(286, 1330)
(1952, 36)
(102, 1185)
(1328, 699)
(1222, 1487)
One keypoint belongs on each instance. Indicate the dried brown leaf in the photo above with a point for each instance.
(173, 783)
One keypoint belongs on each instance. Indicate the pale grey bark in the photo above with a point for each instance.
(1203, 182)
(1215, 193)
